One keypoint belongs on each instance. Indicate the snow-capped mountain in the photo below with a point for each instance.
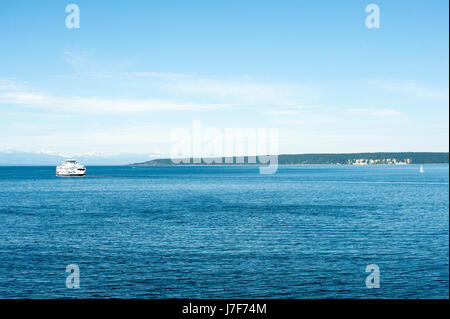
(13, 157)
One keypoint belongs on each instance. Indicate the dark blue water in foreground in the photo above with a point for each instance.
(212, 232)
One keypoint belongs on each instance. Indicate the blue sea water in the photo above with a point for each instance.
(225, 232)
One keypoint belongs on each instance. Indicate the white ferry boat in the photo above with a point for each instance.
(70, 167)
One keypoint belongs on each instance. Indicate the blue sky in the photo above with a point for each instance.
(135, 71)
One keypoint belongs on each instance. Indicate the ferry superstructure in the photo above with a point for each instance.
(70, 167)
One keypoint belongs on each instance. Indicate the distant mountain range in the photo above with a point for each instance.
(343, 159)
(13, 157)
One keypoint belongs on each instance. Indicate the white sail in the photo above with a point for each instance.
(421, 168)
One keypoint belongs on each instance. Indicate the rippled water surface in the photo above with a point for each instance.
(212, 232)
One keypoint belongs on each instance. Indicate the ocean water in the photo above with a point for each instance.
(225, 232)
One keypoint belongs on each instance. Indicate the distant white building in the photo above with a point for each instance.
(388, 161)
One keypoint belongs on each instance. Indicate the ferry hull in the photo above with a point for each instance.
(70, 175)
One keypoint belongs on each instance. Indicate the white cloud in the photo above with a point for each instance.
(412, 88)
(244, 91)
(9, 94)
(376, 112)
(129, 105)
(22, 98)
(238, 90)
(99, 141)
(286, 112)
(192, 93)
(11, 85)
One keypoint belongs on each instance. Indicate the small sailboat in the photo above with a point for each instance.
(421, 169)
